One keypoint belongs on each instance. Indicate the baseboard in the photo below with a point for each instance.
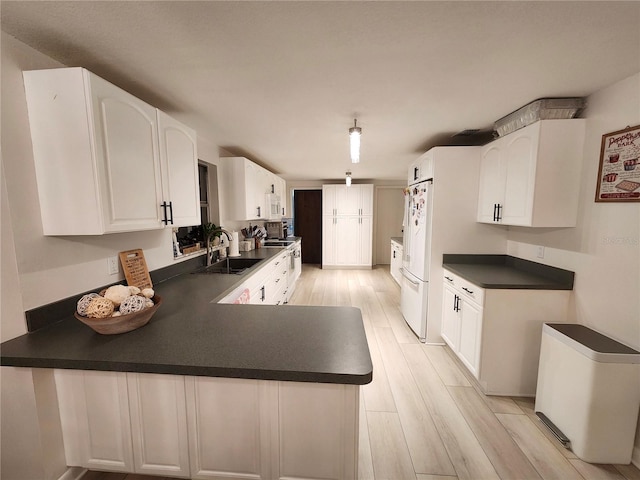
(73, 473)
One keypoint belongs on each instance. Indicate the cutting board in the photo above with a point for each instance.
(135, 268)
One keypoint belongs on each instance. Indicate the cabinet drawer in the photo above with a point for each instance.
(464, 287)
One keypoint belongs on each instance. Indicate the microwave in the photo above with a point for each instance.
(279, 229)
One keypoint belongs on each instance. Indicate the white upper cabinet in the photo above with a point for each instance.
(96, 154)
(343, 200)
(179, 161)
(420, 169)
(531, 177)
(246, 189)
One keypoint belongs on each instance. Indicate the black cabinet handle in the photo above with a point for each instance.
(283, 211)
(499, 217)
(262, 294)
(165, 218)
(467, 290)
(164, 212)
(273, 190)
(394, 254)
(456, 303)
(450, 279)
(259, 212)
(171, 212)
(495, 210)
(415, 173)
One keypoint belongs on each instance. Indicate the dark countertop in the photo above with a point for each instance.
(190, 335)
(506, 272)
(397, 240)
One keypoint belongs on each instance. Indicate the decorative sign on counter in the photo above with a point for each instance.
(619, 172)
(135, 268)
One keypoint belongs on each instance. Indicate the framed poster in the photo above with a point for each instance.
(619, 172)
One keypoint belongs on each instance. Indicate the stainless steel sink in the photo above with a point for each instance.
(230, 266)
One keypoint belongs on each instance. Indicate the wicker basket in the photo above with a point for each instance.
(123, 323)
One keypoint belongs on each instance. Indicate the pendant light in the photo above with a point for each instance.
(348, 179)
(354, 142)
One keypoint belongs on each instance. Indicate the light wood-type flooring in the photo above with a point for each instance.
(422, 417)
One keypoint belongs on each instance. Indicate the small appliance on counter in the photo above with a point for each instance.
(277, 229)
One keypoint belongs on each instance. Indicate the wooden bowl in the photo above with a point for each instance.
(123, 323)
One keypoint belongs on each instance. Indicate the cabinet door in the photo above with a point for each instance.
(159, 424)
(365, 227)
(94, 413)
(228, 428)
(330, 412)
(129, 166)
(470, 335)
(450, 318)
(366, 199)
(252, 188)
(492, 182)
(179, 160)
(348, 200)
(347, 241)
(329, 200)
(281, 191)
(519, 153)
(329, 229)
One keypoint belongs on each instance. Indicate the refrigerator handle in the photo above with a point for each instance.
(412, 281)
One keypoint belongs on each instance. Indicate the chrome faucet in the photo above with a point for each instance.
(229, 237)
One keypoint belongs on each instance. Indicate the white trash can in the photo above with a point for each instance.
(589, 391)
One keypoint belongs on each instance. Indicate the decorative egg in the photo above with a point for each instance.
(131, 304)
(117, 293)
(84, 302)
(133, 290)
(100, 307)
(148, 292)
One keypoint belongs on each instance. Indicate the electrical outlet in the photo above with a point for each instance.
(540, 253)
(112, 263)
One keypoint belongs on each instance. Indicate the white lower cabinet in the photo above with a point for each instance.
(496, 332)
(208, 427)
(347, 241)
(94, 413)
(267, 286)
(158, 424)
(228, 428)
(124, 422)
(317, 431)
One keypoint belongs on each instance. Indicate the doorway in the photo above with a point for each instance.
(307, 217)
(389, 215)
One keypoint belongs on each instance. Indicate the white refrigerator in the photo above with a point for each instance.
(440, 217)
(416, 259)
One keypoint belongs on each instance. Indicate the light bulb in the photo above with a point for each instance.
(354, 142)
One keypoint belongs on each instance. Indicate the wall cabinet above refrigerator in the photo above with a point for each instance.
(531, 177)
(101, 164)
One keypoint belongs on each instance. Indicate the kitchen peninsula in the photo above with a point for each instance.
(208, 390)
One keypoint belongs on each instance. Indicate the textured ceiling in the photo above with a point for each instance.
(281, 82)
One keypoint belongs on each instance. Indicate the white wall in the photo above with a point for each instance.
(604, 249)
(51, 268)
(37, 270)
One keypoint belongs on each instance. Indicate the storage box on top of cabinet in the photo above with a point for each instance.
(531, 177)
(106, 161)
